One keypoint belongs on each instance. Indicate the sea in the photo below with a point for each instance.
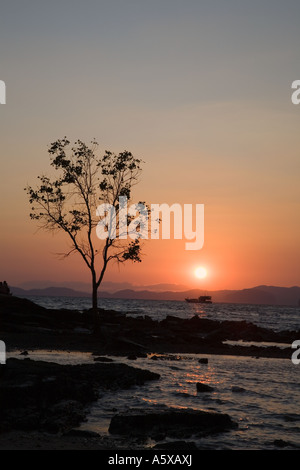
(262, 395)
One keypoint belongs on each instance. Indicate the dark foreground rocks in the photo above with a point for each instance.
(44, 396)
(202, 388)
(172, 422)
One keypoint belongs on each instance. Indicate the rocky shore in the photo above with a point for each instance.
(176, 423)
(25, 325)
(53, 399)
(44, 403)
(49, 401)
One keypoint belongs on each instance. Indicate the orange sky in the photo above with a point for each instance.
(214, 124)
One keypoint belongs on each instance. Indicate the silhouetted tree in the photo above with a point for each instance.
(69, 204)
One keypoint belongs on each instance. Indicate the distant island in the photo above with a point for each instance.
(259, 295)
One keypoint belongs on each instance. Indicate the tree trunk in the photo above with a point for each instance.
(95, 298)
(95, 307)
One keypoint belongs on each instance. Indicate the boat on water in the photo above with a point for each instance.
(203, 299)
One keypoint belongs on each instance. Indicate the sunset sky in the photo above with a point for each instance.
(200, 90)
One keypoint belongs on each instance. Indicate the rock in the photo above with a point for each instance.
(236, 389)
(176, 445)
(280, 443)
(2, 370)
(26, 325)
(159, 436)
(203, 360)
(203, 387)
(132, 357)
(166, 357)
(81, 433)
(37, 395)
(62, 416)
(24, 353)
(172, 422)
(84, 331)
(142, 355)
(103, 359)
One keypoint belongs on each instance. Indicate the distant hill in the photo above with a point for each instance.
(269, 295)
(265, 295)
(108, 286)
(48, 292)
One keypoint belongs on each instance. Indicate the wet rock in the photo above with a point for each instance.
(63, 416)
(142, 355)
(159, 436)
(236, 389)
(25, 325)
(81, 433)
(37, 395)
(2, 370)
(132, 357)
(176, 445)
(280, 443)
(202, 388)
(203, 360)
(166, 357)
(103, 359)
(172, 422)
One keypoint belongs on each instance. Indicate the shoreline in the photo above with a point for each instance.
(26, 325)
(53, 399)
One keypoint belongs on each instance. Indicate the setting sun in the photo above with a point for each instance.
(200, 272)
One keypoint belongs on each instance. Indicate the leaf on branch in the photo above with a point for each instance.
(133, 252)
